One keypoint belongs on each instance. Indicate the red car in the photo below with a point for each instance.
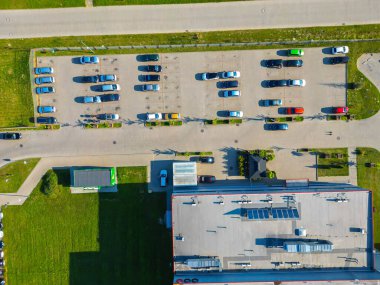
(294, 110)
(206, 179)
(340, 110)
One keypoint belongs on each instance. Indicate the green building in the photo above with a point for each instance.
(100, 179)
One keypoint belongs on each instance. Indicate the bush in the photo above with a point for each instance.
(49, 182)
(271, 174)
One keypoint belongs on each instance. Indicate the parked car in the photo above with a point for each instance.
(163, 178)
(339, 59)
(206, 179)
(108, 117)
(276, 127)
(45, 90)
(43, 70)
(171, 116)
(150, 77)
(10, 136)
(231, 93)
(206, 159)
(151, 87)
(296, 82)
(110, 87)
(149, 57)
(273, 63)
(296, 52)
(89, 59)
(230, 74)
(210, 75)
(340, 50)
(277, 83)
(91, 99)
(46, 120)
(293, 63)
(44, 80)
(229, 84)
(46, 109)
(294, 110)
(107, 77)
(271, 102)
(238, 114)
(340, 110)
(89, 79)
(153, 116)
(153, 68)
(109, 97)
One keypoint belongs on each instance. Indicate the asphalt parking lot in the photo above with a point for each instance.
(181, 91)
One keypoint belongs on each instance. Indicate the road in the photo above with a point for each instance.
(114, 20)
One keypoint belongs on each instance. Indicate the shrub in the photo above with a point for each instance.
(49, 182)
(271, 174)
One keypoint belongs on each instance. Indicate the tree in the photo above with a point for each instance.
(49, 182)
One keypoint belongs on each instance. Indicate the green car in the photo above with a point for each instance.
(295, 52)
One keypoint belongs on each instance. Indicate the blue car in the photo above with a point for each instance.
(46, 120)
(89, 59)
(44, 80)
(46, 109)
(107, 77)
(149, 57)
(276, 127)
(91, 99)
(44, 90)
(151, 87)
(43, 70)
(110, 87)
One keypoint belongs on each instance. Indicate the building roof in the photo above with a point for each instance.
(257, 167)
(91, 177)
(184, 174)
(249, 231)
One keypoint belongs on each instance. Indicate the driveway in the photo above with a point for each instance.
(132, 19)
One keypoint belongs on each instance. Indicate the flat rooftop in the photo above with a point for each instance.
(249, 231)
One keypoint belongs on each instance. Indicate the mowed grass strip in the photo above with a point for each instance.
(369, 178)
(110, 238)
(152, 2)
(332, 166)
(14, 174)
(35, 4)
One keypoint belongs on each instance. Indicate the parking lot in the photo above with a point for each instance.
(182, 91)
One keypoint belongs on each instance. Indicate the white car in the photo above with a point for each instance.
(297, 82)
(230, 74)
(237, 114)
(338, 50)
(153, 116)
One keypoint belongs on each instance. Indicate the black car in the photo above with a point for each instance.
(10, 136)
(210, 75)
(293, 63)
(149, 57)
(109, 97)
(229, 84)
(206, 159)
(277, 83)
(339, 59)
(46, 120)
(276, 127)
(150, 77)
(274, 63)
(153, 68)
(206, 179)
(89, 79)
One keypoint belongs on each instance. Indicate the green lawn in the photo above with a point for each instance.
(369, 178)
(35, 4)
(111, 238)
(14, 78)
(151, 2)
(332, 166)
(14, 174)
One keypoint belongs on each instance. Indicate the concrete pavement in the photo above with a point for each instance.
(186, 17)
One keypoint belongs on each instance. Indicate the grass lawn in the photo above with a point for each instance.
(16, 95)
(14, 174)
(111, 238)
(151, 2)
(332, 166)
(369, 178)
(34, 4)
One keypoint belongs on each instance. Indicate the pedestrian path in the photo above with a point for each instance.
(352, 166)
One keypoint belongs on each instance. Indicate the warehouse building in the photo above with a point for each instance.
(252, 235)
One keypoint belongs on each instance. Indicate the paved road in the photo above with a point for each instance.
(189, 17)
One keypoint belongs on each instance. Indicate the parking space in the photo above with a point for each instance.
(181, 90)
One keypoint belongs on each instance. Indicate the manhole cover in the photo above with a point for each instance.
(114, 142)
(21, 145)
(202, 130)
(338, 138)
(236, 141)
